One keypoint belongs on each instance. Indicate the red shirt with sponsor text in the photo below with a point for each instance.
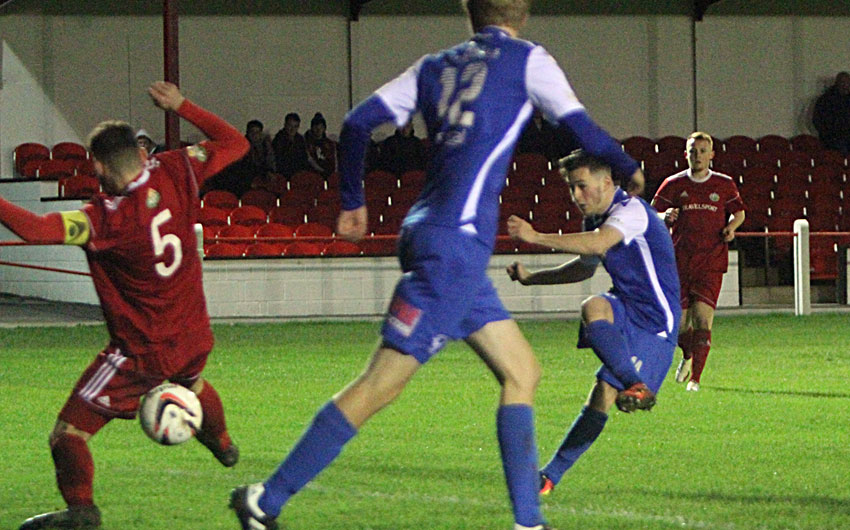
(143, 251)
(704, 209)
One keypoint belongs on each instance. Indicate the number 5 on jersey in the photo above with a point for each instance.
(162, 241)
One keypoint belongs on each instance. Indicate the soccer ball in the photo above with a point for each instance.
(170, 414)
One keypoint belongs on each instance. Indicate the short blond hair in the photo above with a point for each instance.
(511, 13)
(699, 135)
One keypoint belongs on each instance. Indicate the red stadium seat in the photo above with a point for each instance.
(379, 181)
(738, 143)
(275, 230)
(55, 169)
(761, 177)
(806, 142)
(404, 196)
(823, 259)
(323, 214)
(672, 143)
(372, 246)
(828, 156)
(68, 150)
(341, 248)
(415, 178)
(288, 215)
(761, 159)
(30, 167)
(731, 163)
(306, 183)
(302, 248)
(329, 197)
(533, 163)
(773, 143)
(212, 216)
(262, 199)
(221, 199)
(794, 158)
(84, 166)
(78, 186)
(210, 233)
(638, 147)
(248, 215)
(261, 249)
(224, 250)
(29, 151)
(313, 230)
(240, 231)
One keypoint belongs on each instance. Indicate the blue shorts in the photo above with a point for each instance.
(444, 293)
(650, 353)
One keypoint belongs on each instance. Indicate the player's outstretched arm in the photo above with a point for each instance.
(594, 243)
(32, 227)
(575, 270)
(226, 144)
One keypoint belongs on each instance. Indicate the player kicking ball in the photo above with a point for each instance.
(140, 244)
(633, 327)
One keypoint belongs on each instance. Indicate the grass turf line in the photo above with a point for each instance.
(762, 445)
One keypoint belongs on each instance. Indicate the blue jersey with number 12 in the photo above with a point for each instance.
(475, 99)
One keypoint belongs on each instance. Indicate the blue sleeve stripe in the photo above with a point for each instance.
(599, 143)
(353, 143)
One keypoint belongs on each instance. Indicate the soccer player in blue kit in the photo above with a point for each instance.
(475, 99)
(632, 328)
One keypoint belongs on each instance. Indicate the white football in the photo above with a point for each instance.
(170, 414)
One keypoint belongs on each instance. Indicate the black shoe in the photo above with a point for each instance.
(228, 457)
(243, 501)
(79, 517)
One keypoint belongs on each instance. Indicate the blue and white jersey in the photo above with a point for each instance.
(475, 99)
(643, 265)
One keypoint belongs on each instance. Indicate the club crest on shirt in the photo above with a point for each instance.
(714, 197)
(152, 200)
(403, 316)
(198, 152)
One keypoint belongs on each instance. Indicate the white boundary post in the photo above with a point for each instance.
(802, 284)
(199, 236)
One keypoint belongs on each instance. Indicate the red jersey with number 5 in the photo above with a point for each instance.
(143, 251)
(704, 210)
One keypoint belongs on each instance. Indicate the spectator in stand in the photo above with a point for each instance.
(831, 116)
(256, 164)
(144, 140)
(290, 150)
(261, 153)
(321, 150)
(402, 151)
(538, 136)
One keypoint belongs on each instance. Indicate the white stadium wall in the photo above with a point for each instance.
(361, 287)
(62, 74)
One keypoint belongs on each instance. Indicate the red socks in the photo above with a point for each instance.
(701, 343)
(686, 342)
(74, 469)
(213, 428)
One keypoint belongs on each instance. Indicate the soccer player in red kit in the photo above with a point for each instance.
(704, 209)
(140, 244)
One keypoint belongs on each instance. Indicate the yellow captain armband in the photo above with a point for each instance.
(77, 228)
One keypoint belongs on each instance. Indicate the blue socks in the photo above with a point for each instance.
(583, 432)
(317, 448)
(515, 430)
(610, 346)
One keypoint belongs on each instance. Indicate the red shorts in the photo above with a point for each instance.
(700, 286)
(112, 385)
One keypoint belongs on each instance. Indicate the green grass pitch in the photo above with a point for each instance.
(764, 444)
